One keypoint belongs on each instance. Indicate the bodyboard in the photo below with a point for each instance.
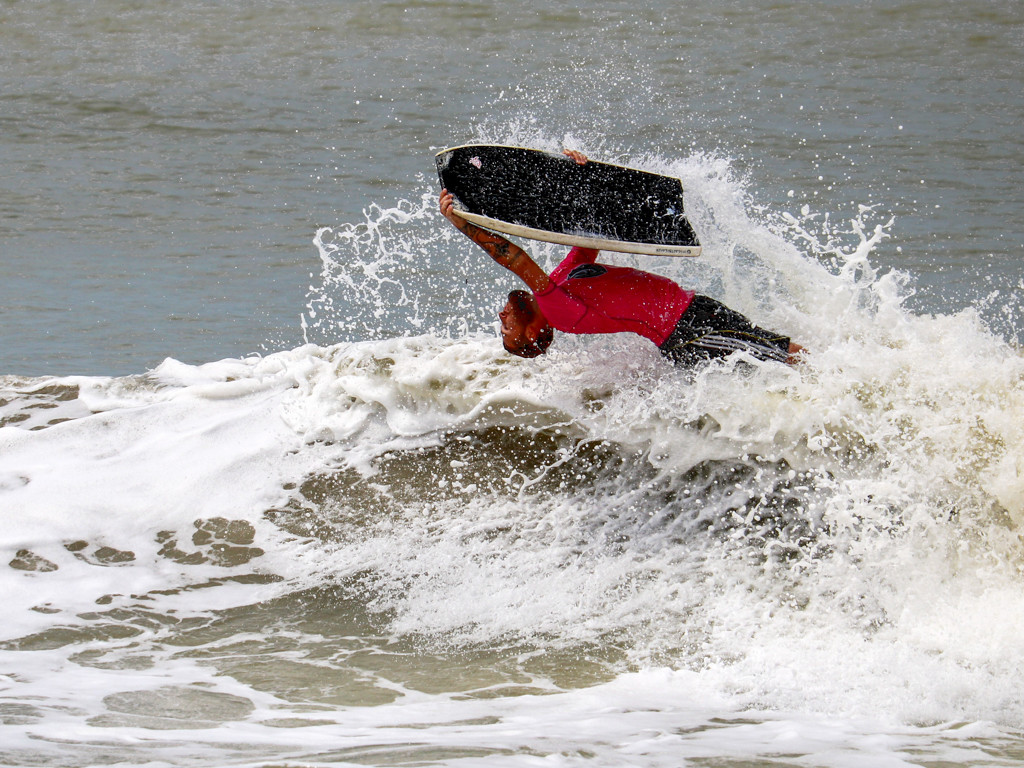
(547, 196)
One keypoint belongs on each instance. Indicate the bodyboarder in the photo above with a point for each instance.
(584, 296)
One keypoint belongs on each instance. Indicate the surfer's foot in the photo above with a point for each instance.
(795, 351)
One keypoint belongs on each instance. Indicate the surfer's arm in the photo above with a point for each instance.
(507, 254)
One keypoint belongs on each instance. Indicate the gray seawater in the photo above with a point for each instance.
(272, 494)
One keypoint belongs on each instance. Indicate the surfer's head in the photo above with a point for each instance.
(524, 329)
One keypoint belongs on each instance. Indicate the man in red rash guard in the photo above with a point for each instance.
(582, 296)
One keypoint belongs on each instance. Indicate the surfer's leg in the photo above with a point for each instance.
(709, 329)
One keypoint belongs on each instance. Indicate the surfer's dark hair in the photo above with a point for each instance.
(534, 348)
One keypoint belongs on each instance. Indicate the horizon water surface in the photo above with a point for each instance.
(273, 495)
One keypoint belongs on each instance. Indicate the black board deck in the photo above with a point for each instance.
(548, 196)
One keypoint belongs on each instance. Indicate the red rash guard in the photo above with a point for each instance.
(585, 297)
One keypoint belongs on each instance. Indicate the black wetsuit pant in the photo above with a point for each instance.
(709, 329)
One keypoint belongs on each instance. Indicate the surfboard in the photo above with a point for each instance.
(547, 196)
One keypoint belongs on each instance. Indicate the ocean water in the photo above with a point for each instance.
(273, 495)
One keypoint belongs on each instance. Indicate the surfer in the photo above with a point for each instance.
(582, 296)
